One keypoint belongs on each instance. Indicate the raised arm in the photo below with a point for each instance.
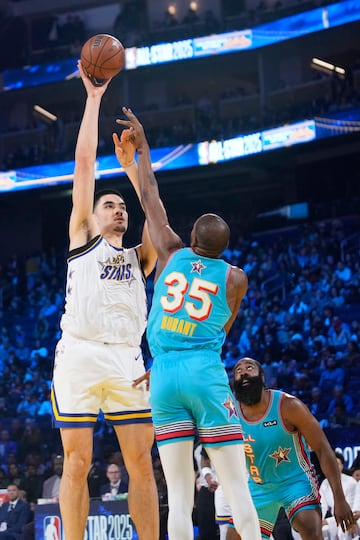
(163, 237)
(125, 153)
(298, 417)
(82, 226)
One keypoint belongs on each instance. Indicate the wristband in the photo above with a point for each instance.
(205, 471)
(128, 164)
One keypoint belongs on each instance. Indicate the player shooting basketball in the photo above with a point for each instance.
(99, 355)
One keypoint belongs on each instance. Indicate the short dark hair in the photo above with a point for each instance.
(339, 455)
(102, 192)
(212, 233)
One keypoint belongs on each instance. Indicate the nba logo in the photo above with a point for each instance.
(52, 528)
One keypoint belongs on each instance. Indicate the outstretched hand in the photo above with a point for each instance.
(90, 88)
(124, 148)
(145, 377)
(137, 134)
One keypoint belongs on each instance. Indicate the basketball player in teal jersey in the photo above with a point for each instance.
(196, 299)
(278, 429)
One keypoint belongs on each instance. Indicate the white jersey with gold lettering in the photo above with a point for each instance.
(105, 294)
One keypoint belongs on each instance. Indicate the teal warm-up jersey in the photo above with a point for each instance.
(189, 307)
(273, 454)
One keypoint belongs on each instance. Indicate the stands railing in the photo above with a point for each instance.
(275, 284)
(350, 245)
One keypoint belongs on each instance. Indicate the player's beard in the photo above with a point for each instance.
(249, 394)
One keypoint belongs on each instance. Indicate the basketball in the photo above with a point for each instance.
(102, 57)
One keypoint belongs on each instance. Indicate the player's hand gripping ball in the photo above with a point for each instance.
(102, 57)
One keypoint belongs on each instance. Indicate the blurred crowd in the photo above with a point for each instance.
(300, 318)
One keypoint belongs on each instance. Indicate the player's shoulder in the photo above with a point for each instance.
(237, 275)
(178, 252)
(286, 397)
(291, 403)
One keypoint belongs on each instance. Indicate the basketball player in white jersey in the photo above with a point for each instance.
(99, 355)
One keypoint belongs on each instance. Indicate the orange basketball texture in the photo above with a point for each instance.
(102, 57)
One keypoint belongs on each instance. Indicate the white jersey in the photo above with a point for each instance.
(105, 294)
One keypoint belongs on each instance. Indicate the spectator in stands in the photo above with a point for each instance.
(343, 271)
(318, 403)
(29, 405)
(316, 341)
(22, 351)
(339, 418)
(48, 308)
(298, 307)
(38, 353)
(352, 294)
(301, 387)
(296, 348)
(169, 19)
(191, 17)
(7, 445)
(51, 486)
(32, 484)
(332, 375)
(330, 528)
(14, 514)
(338, 334)
(245, 340)
(45, 405)
(250, 264)
(15, 475)
(302, 257)
(356, 506)
(115, 485)
(286, 373)
(271, 324)
(337, 298)
(231, 356)
(339, 397)
(5, 348)
(320, 298)
(271, 345)
(355, 473)
(279, 313)
(41, 331)
(31, 439)
(16, 429)
(328, 314)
